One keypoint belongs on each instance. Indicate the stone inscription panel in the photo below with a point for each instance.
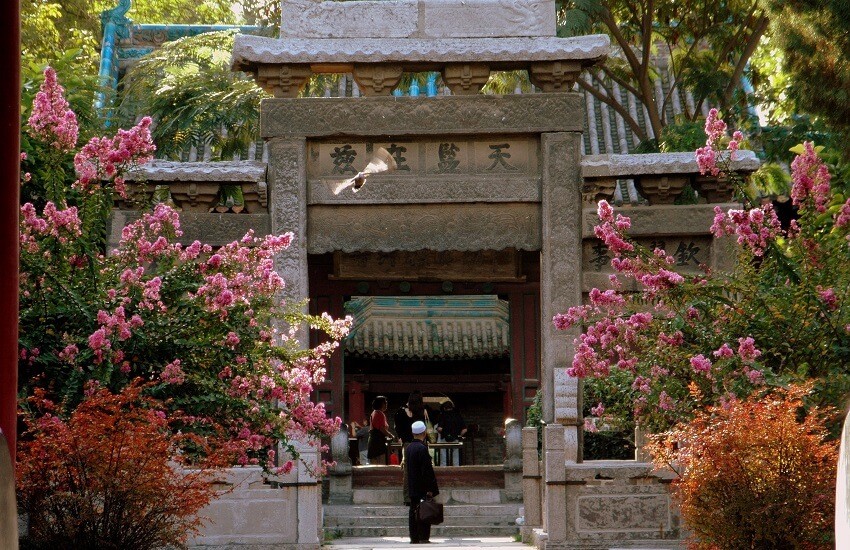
(623, 513)
(495, 155)
(689, 253)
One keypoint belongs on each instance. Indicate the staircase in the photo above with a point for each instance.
(476, 504)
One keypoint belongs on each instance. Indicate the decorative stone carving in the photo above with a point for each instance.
(555, 76)
(193, 197)
(714, 189)
(376, 80)
(661, 189)
(594, 190)
(443, 115)
(466, 78)
(255, 196)
(282, 80)
(385, 228)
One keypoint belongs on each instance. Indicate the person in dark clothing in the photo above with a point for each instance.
(421, 482)
(450, 428)
(404, 418)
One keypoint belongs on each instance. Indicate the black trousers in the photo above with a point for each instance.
(419, 531)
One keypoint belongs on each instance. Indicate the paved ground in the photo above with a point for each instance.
(387, 543)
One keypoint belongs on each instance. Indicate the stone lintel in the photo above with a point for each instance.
(251, 52)
(409, 18)
(680, 220)
(386, 228)
(627, 166)
(417, 116)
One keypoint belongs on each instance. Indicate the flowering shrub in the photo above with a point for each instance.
(752, 476)
(683, 342)
(201, 325)
(103, 478)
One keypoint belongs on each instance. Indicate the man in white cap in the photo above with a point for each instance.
(421, 481)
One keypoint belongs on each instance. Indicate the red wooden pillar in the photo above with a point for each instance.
(356, 402)
(10, 167)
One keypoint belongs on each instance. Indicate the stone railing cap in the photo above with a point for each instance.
(225, 171)
(615, 469)
(600, 166)
(250, 51)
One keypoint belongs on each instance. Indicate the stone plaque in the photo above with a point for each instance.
(485, 265)
(496, 156)
(689, 252)
(623, 513)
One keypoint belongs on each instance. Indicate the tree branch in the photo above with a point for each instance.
(750, 48)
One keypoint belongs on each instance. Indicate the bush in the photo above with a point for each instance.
(752, 475)
(105, 477)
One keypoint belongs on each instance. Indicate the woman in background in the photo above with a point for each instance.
(378, 434)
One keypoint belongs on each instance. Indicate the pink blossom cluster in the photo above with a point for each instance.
(105, 159)
(52, 119)
(608, 343)
(842, 218)
(811, 179)
(173, 373)
(707, 156)
(756, 228)
(63, 225)
(828, 297)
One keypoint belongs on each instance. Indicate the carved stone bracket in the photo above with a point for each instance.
(555, 76)
(283, 80)
(375, 80)
(256, 197)
(714, 189)
(194, 197)
(594, 190)
(661, 189)
(466, 78)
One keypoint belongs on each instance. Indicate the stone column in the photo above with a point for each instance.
(531, 494)
(288, 212)
(555, 479)
(560, 280)
(309, 498)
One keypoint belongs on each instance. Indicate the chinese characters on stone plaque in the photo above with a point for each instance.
(689, 253)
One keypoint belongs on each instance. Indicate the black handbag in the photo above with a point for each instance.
(430, 511)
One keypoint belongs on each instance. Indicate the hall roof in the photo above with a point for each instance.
(417, 327)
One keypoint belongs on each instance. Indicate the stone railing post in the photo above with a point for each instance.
(555, 479)
(340, 491)
(531, 490)
(309, 497)
(641, 455)
(513, 459)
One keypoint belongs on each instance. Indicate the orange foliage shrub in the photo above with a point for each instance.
(754, 474)
(106, 477)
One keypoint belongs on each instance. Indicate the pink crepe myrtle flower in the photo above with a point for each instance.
(747, 350)
(701, 365)
(811, 179)
(52, 119)
(173, 373)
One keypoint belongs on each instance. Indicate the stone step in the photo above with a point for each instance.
(452, 495)
(436, 531)
(453, 510)
(396, 521)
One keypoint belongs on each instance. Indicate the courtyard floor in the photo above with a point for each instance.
(387, 543)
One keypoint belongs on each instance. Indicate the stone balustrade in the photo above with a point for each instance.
(659, 177)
